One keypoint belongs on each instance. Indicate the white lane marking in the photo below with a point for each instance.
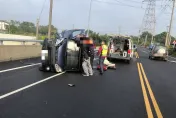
(28, 86)
(172, 57)
(145, 51)
(172, 61)
(2, 71)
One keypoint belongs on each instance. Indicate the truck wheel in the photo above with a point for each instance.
(128, 61)
(165, 59)
(57, 68)
(149, 57)
(109, 59)
(41, 68)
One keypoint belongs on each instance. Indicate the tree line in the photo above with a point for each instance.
(159, 38)
(29, 28)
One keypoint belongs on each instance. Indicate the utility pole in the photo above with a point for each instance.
(73, 26)
(50, 19)
(119, 30)
(89, 17)
(166, 41)
(139, 36)
(170, 27)
(145, 40)
(37, 28)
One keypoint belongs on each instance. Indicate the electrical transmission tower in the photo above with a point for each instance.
(149, 20)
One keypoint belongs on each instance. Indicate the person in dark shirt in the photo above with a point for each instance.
(91, 55)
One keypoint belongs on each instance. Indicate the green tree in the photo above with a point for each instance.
(43, 30)
(161, 38)
(13, 27)
(27, 28)
(135, 39)
(143, 36)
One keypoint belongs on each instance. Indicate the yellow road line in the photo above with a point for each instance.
(137, 54)
(157, 109)
(146, 100)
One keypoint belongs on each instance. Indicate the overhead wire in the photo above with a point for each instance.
(142, 2)
(121, 4)
(163, 9)
(42, 9)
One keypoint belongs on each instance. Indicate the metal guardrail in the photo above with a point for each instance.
(19, 40)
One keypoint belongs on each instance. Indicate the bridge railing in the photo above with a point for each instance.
(23, 41)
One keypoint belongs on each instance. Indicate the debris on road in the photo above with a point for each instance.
(71, 85)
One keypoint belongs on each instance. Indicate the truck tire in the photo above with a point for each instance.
(149, 57)
(109, 59)
(128, 61)
(41, 68)
(165, 59)
(57, 68)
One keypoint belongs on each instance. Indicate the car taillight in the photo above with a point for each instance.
(129, 51)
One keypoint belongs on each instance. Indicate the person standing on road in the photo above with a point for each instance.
(102, 53)
(86, 62)
(91, 52)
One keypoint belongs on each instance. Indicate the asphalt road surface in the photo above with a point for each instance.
(144, 88)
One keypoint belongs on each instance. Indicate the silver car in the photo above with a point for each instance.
(159, 52)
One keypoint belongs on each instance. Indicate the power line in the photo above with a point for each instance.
(129, 1)
(42, 9)
(163, 9)
(133, 1)
(117, 4)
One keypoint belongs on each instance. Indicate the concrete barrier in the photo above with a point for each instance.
(16, 52)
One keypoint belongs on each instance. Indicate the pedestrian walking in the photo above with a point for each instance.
(102, 53)
(87, 68)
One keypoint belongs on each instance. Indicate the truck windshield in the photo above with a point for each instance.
(76, 33)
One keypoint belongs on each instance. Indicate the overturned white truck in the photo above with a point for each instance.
(64, 53)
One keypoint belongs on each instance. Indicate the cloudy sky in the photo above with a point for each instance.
(106, 16)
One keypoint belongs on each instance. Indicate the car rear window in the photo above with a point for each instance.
(160, 47)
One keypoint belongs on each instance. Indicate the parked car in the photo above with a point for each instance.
(158, 52)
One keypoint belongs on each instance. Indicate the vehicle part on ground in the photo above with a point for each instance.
(71, 85)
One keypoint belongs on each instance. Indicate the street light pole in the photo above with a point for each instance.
(170, 27)
(166, 41)
(73, 26)
(37, 28)
(50, 19)
(139, 36)
(119, 30)
(89, 17)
